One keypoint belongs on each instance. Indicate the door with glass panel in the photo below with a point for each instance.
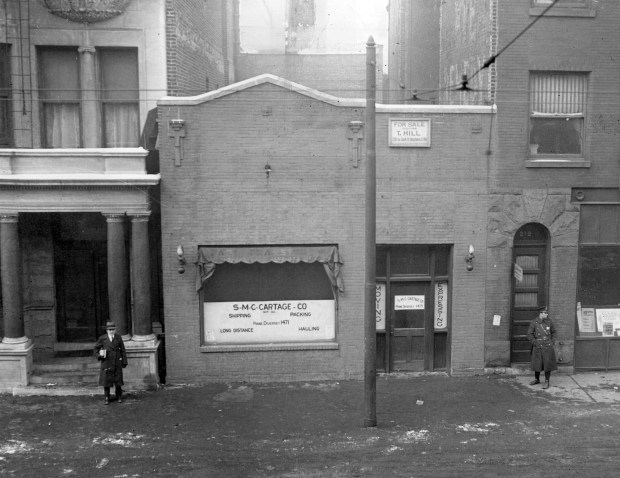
(410, 317)
(529, 293)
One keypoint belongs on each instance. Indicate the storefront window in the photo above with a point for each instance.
(269, 295)
(599, 307)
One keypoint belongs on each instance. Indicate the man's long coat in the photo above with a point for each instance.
(115, 360)
(541, 334)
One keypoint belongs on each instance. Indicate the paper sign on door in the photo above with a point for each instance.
(408, 302)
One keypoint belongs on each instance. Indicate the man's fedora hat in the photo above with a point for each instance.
(110, 326)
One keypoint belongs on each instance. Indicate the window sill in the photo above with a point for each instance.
(564, 12)
(270, 347)
(557, 163)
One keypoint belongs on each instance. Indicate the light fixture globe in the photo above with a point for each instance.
(86, 11)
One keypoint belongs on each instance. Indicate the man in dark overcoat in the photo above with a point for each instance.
(110, 351)
(541, 334)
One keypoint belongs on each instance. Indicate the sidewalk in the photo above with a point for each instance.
(598, 387)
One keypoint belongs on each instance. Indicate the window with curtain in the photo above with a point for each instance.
(5, 130)
(119, 95)
(60, 92)
(557, 113)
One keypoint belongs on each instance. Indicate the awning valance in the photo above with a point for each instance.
(209, 257)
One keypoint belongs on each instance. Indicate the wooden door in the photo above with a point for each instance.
(410, 316)
(529, 293)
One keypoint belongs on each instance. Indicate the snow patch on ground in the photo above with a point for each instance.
(477, 427)
(121, 439)
(12, 447)
(414, 436)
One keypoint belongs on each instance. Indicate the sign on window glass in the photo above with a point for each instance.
(408, 302)
(269, 321)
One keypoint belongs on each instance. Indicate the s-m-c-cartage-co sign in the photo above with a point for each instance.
(269, 321)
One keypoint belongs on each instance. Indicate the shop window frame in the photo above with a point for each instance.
(316, 344)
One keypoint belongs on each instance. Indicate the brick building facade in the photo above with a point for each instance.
(270, 165)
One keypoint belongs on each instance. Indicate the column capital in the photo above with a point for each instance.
(87, 49)
(140, 216)
(9, 217)
(114, 217)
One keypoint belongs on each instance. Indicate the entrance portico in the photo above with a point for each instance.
(110, 182)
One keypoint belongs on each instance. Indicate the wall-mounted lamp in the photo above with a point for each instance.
(181, 259)
(267, 170)
(469, 258)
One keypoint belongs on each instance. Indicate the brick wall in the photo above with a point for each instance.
(315, 195)
(197, 49)
(468, 37)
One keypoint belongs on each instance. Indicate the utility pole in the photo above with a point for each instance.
(370, 325)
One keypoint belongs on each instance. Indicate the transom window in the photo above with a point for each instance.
(557, 113)
(65, 79)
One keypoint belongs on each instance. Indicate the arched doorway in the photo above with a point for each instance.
(529, 285)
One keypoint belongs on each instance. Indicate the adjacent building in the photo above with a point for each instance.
(553, 200)
(79, 175)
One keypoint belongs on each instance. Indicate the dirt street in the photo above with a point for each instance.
(439, 426)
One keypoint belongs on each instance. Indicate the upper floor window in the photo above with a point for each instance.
(68, 83)
(5, 96)
(557, 113)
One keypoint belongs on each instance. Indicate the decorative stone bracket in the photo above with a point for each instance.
(177, 131)
(355, 135)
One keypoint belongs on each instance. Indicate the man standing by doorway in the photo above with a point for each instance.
(110, 351)
(541, 334)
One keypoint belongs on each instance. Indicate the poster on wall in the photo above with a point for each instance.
(607, 320)
(441, 305)
(380, 306)
(586, 319)
(269, 322)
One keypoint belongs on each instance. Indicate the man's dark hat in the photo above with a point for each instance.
(110, 325)
(544, 307)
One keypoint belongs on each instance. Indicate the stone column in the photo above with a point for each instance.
(117, 273)
(91, 131)
(141, 278)
(143, 348)
(15, 348)
(11, 276)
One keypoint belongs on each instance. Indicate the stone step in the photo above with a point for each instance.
(33, 390)
(65, 377)
(68, 364)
